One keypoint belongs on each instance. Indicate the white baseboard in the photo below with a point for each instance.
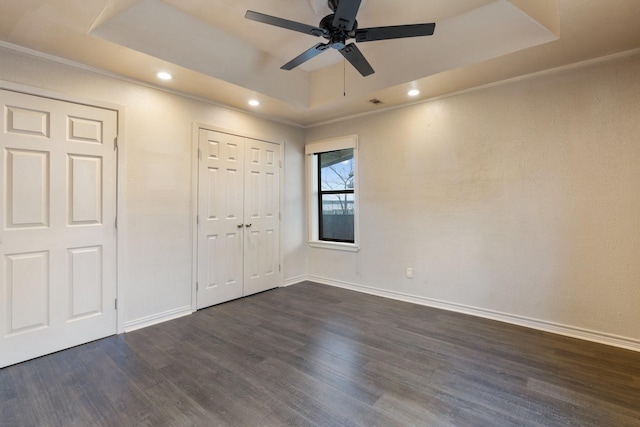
(541, 325)
(154, 319)
(294, 280)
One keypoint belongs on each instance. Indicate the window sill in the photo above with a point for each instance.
(350, 247)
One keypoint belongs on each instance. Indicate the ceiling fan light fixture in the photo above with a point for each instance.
(413, 92)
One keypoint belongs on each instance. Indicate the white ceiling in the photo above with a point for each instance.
(214, 53)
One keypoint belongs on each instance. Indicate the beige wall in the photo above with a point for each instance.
(519, 202)
(155, 228)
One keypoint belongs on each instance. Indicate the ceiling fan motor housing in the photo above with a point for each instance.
(337, 37)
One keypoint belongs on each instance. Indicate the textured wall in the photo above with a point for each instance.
(155, 231)
(522, 199)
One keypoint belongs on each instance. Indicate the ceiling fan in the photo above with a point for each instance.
(337, 28)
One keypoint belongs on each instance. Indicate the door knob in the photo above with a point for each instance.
(240, 225)
(248, 225)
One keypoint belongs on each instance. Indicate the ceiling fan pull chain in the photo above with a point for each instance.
(344, 77)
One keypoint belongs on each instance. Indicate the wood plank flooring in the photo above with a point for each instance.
(311, 355)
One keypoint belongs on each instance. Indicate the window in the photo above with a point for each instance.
(335, 196)
(332, 166)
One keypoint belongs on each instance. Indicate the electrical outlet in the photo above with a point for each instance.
(409, 273)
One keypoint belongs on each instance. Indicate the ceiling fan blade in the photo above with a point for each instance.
(305, 56)
(345, 16)
(394, 32)
(284, 23)
(357, 59)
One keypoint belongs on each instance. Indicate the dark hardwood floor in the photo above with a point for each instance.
(315, 355)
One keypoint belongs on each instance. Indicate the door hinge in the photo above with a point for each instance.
(279, 268)
(197, 286)
(280, 216)
(197, 219)
(115, 223)
(115, 142)
(116, 303)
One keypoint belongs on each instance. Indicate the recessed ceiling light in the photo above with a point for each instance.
(413, 92)
(163, 75)
(254, 102)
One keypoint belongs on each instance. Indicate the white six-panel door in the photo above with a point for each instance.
(261, 213)
(238, 217)
(220, 217)
(57, 228)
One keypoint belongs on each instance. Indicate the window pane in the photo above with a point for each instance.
(336, 170)
(337, 217)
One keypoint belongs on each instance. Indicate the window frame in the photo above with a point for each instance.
(312, 150)
(322, 192)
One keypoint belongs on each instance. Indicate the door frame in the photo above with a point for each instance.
(120, 155)
(195, 145)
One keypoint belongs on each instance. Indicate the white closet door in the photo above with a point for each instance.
(261, 217)
(57, 232)
(220, 217)
(238, 217)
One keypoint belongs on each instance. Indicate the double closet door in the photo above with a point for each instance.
(238, 217)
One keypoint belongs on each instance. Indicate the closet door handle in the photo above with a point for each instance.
(248, 225)
(240, 225)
